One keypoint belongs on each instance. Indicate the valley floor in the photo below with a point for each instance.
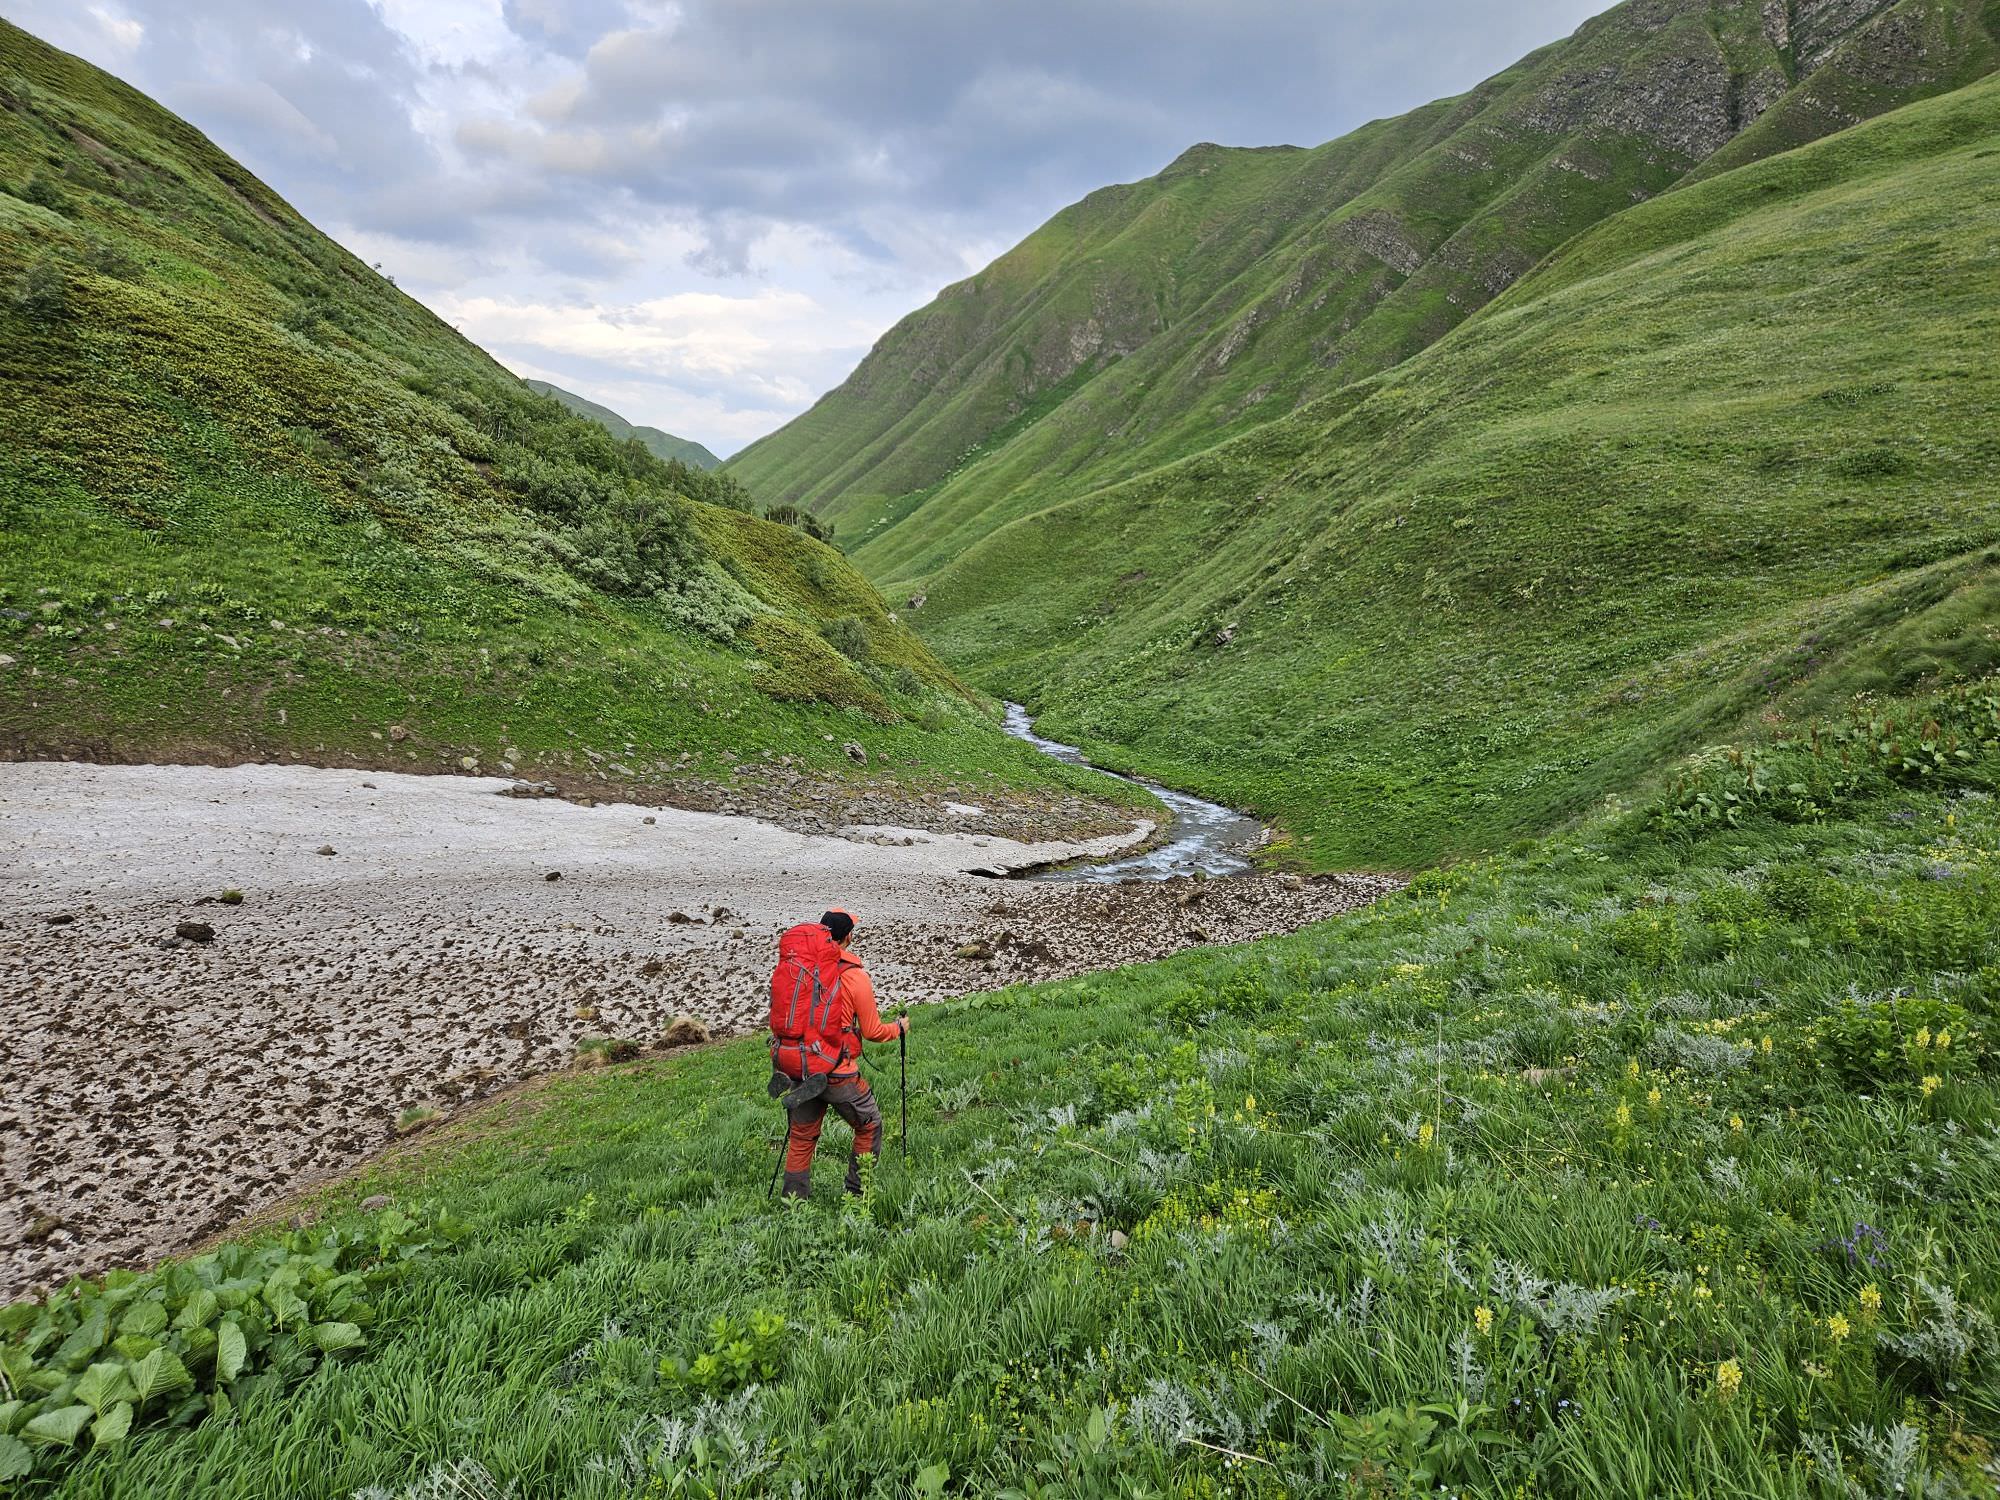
(155, 1094)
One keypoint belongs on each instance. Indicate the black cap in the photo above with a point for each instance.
(839, 923)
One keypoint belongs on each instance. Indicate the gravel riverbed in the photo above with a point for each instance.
(408, 941)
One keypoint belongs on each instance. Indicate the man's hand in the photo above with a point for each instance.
(904, 1022)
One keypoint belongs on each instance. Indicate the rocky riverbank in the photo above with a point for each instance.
(223, 983)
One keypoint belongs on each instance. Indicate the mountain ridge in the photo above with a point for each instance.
(660, 444)
(1149, 320)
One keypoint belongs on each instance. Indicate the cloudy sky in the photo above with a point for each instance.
(703, 212)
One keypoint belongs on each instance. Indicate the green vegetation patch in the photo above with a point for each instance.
(1656, 1158)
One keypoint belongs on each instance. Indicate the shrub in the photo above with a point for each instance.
(740, 1351)
(848, 636)
(192, 1339)
(802, 520)
(42, 291)
(1896, 1039)
(1651, 939)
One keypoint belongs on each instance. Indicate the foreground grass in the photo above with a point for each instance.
(1661, 1159)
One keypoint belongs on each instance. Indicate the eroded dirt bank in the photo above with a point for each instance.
(150, 1094)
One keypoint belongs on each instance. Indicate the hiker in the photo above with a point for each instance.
(822, 1010)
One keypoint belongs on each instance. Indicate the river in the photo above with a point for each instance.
(1205, 837)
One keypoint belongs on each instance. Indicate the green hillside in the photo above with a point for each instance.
(1734, 450)
(255, 501)
(660, 444)
(1152, 320)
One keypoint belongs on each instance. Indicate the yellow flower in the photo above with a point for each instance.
(1736, 1122)
(1931, 1084)
(1836, 1327)
(1631, 1067)
(1871, 1299)
(1624, 1117)
(1765, 1045)
(1653, 1097)
(1943, 1040)
(1482, 1319)
(1924, 1036)
(1426, 1132)
(1728, 1378)
(1701, 1292)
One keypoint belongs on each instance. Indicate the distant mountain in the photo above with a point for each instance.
(1422, 489)
(1154, 319)
(659, 444)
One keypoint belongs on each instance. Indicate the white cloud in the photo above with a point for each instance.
(703, 211)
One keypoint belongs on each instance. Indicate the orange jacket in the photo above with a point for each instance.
(868, 1023)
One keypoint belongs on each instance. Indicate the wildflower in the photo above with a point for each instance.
(1924, 1036)
(1250, 1103)
(1482, 1319)
(1931, 1083)
(1943, 1040)
(1764, 1044)
(1653, 1097)
(1836, 1327)
(1871, 1298)
(1736, 1122)
(1426, 1133)
(1623, 1118)
(1728, 1379)
(1631, 1067)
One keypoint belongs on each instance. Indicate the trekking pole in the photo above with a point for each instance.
(784, 1146)
(903, 1059)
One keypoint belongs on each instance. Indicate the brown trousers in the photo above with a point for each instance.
(854, 1102)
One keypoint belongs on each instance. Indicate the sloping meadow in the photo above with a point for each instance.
(1658, 1158)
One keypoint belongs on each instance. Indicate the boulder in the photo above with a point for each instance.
(194, 932)
(374, 1203)
(325, 849)
(684, 1031)
(854, 752)
(398, 733)
(553, 875)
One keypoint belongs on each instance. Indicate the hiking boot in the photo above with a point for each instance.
(798, 1184)
(854, 1175)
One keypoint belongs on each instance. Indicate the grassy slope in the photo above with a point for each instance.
(254, 500)
(659, 444)
(1733, 448)
(1605, 1093)
(1150, 320)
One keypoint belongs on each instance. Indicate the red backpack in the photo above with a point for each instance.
(809, 1012)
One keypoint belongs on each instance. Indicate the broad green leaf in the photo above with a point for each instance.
(144, 1320)
(16, 1316)
(10, 1414)
(59, 1426)
(87, 1340)
(231, 1350)
(134, 1346)
(159, 1373)
(334, 1337)
(112, 1426)
(201, 1308)
(285, 1304)
(103, 1386)
(16, 1462)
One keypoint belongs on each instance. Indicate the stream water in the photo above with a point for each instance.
(1204, 836)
